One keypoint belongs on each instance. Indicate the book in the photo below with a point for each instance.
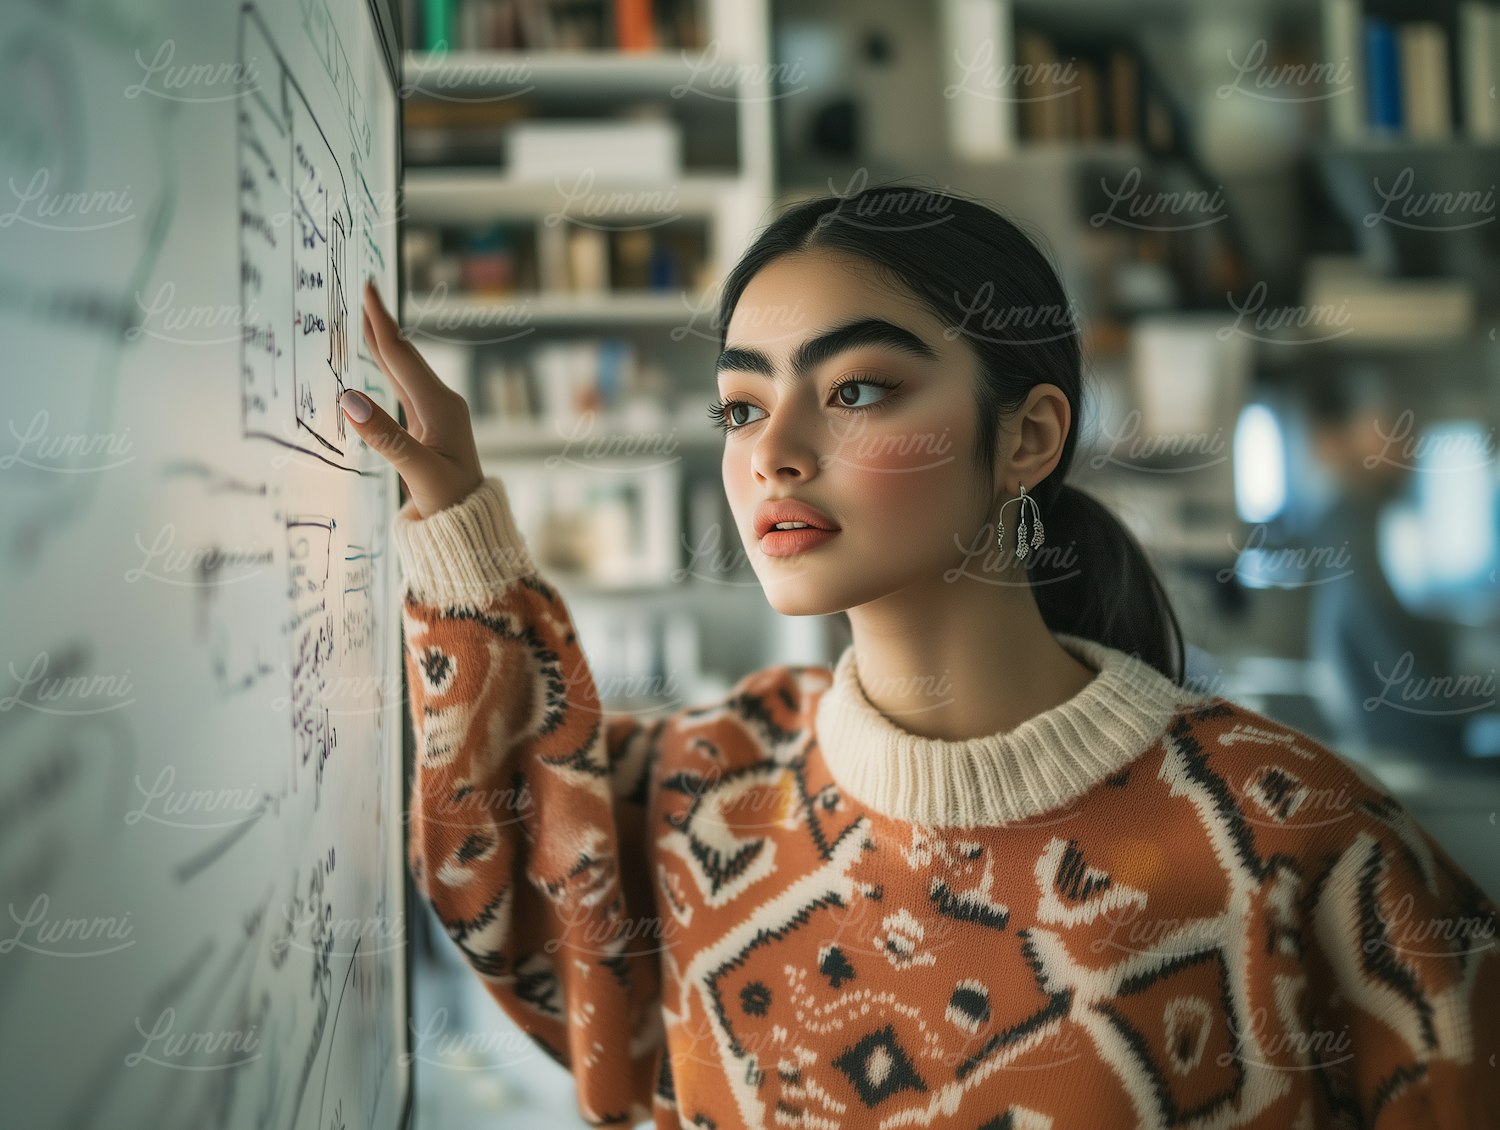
(635, 27)
(552, 258)
(1424, 79)
(1343, 54)
(1090, 115)
(1124, 91)
(643, 149)
(1479, 68)
(977, 48)
(1033, 88)
(1383, 75)
(588, 261)
(1374, 307)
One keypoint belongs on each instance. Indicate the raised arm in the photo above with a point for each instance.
(528, 803)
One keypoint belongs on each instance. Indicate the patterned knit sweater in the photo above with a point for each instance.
(1143, 907)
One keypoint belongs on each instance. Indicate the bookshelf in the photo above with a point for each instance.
(1382, 73)
(1409, 146)
(1024, 78)
(1305, 173)
(571, 205)
(1415, 74)
(471, 71)
(697, 97)
(1367, 91)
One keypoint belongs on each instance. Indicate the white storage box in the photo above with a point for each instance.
(632, 150)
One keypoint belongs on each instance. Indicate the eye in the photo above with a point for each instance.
(725, 420)
(723, 416)
(840, 389)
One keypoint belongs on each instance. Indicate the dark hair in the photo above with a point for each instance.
(966, 260)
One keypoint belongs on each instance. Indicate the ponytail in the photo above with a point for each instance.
(1099, 583)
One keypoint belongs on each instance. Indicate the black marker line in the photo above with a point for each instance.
(323, 1095)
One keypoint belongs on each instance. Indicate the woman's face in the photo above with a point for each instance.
(897, 478)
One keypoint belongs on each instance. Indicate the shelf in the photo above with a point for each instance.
(1460, 355)
(665, 594)
(1062, 150)
(1133, 150)
(574, 585)
(1381, 343)
(1414, 146)
(1094, 14)
(481, 320)
(498, 437)
(462, 196)
(478, 75)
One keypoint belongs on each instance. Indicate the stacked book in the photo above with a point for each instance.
(558, 25)
(1419, 78)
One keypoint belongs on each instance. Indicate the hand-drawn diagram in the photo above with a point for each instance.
(295, 223)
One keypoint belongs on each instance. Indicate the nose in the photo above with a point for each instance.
(786, 447)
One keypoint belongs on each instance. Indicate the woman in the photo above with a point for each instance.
(997, 866)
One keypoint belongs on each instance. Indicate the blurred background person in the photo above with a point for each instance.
(1387, 660)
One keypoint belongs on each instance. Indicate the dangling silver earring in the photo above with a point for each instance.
(1023, 547)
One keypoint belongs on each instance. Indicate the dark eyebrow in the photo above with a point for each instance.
(816, 350)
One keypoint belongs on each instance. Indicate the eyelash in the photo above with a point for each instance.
(719, 412)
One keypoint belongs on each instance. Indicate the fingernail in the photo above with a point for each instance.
(356, 405)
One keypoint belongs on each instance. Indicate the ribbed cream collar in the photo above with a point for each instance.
(1040, 765)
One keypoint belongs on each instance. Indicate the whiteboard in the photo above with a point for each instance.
(201, 821)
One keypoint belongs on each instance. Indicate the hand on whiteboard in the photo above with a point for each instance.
(435, 455)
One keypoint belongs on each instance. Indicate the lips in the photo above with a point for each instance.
(772, 511)
(793, 543)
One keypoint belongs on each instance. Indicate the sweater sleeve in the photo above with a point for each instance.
(528, 803)
(1403, 977)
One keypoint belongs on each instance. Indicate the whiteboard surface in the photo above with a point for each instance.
(200, 713)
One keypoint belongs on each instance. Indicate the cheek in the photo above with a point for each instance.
(917, 471)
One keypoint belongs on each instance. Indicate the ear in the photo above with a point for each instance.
(1032, 443)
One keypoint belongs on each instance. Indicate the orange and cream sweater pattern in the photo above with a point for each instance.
(1143, 907)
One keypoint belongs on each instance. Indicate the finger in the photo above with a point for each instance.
(384, 435)
(406, 366)
(413, 421)
(418, 421)
(373, 339)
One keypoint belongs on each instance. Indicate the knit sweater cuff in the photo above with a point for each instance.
(464, 553)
